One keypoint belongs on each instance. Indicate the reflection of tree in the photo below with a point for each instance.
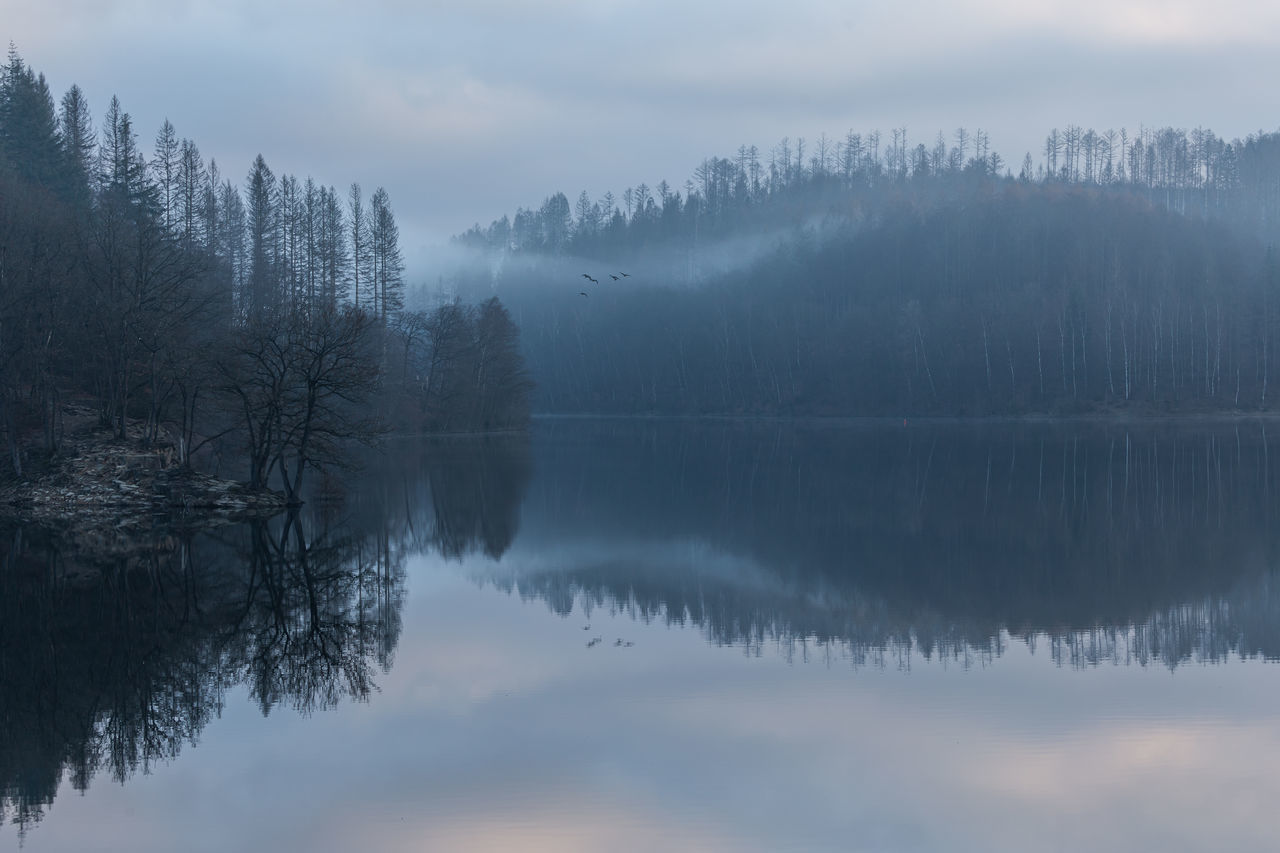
(114, 654)
(476, 497)
(452, 495)
(111, 663)
(104, 665)
(316, 616)
(942, 540)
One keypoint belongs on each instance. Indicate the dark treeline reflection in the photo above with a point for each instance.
(448, 495)
(1109, 542)
(114, 655)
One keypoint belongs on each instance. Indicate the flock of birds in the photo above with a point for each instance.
(619, 277)
(595, 641)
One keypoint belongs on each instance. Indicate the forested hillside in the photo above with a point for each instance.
(1117, 272)
(165, 295)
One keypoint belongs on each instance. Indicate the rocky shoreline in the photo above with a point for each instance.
(100, 480)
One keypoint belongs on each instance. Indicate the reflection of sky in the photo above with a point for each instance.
(498, 729)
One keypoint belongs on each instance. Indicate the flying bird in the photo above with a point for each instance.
(589, 278)
(614, 277)
(626, 275)
(582, 293)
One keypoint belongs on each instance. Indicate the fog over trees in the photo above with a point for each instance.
(165, 292)
(868, 275)
(876, 276)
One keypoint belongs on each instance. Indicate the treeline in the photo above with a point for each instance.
(1025, 299)
(171, 297)
(459, 368)
(875, 279)
(1190, 172)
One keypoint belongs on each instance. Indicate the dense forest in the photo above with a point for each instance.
(185, 309)
(870, 277)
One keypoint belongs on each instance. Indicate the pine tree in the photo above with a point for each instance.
(77, 145)
(29, 139)
(361, 257)
(334, 259)
(262, 297)
(122, 173)
(164, 166)
(190, 193)
(387, 262)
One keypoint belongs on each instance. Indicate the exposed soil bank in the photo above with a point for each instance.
(96, 479)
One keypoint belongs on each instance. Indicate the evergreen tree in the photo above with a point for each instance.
(386, 261)
(29, 138)
(263, 296)
(77, 145)
(165, 164)
(361, 255)
(191, 182)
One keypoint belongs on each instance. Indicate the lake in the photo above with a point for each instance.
(682, 635)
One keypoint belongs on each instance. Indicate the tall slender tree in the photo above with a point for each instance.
(77, 144)
(165, 164)
(263, 296)
(358, 229)
(387, 262)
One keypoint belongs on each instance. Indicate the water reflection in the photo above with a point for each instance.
(116, 652)
(1101, 542)
(875, 544)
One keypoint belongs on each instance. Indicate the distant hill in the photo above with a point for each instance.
(960, 293)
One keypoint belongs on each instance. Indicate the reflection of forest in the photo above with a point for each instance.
(1103, 542)
(115, 655)
(113, 662)
(1109, 542)
(450, 495)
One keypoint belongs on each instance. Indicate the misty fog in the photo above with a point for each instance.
(639, 426)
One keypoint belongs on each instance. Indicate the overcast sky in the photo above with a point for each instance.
(464, 110)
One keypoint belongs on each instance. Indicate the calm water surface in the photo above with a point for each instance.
(672, 635)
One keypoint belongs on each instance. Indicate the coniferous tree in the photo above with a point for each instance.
(232, 229)
(191, 182)
(361, 256)
(262, 296)
(165, 164)
(312, 208)
(28, 125)
(161, 268)
(78, 145)
(387, 263)
(335, 260)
